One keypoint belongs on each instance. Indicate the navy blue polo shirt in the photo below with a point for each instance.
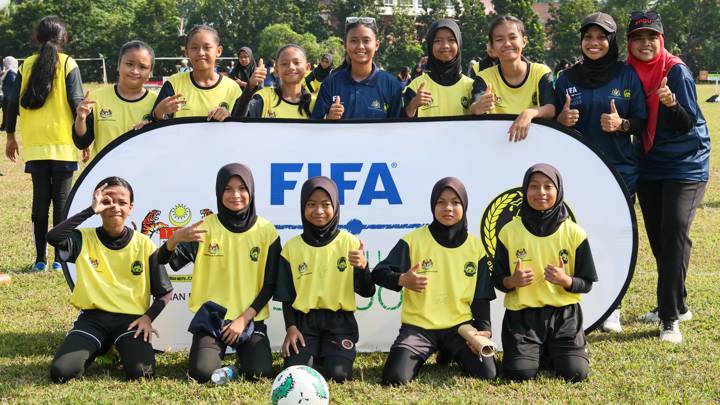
(376, 97)
(682, 156)
(618, 147)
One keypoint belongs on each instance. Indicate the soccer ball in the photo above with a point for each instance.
(300, 385)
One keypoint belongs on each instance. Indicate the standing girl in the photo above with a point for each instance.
(674, 168)
(288, 100)
(244, 67)
(603, 99)
(201, 92)
(9, 77)
(49, 91)
(117, 272)
(359, 89)
(319, 73)
(543, 263)
(442, 90)
(437, 267)
(109, 112)
(514, 85)
(320, 272)
(235, 255)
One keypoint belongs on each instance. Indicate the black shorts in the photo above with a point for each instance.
(425, 342)
(103, 328)
(550, 331)
(328, 333)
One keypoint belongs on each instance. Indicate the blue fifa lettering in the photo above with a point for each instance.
(379, 171)
(337, 173)
(278, 184)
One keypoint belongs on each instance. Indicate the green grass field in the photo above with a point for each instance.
(631, 367)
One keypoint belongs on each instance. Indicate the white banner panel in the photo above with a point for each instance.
(385, 172)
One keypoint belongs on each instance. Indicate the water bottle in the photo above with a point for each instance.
(224, 375)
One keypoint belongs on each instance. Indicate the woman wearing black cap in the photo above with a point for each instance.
(543, 263)
(235, 255)
(437, 268)
(602, 98)
(320, 272)
(674, 168)
(442, 90)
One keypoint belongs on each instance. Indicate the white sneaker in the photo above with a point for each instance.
(612, 323)
(670, 332)
(652, 316)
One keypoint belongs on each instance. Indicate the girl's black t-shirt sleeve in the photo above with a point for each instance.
(66, 238)
(363, 282)
(408, 95)
(309, 82)
(271, 268)
(84, 141)
(479, 87)
(289, 314)
(678, 119)
(13, 105)
(585, 273)
(284, 287)
(387, 273)
(546, 90)
(480, 309)
(255, 108)
(184, 253)
(165, 91)
(159, 280)
(501, 268)
(240, 110)
(73, 86)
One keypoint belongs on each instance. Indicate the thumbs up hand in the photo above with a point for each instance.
(568, 117)
(520, 277)
(667, 97)
(412, 280)
(357, 257)
(486, 103)
(336, 110)
(611, 122)
(557, 274)
(258, 75)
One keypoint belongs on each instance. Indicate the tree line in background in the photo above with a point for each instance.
(692, 27)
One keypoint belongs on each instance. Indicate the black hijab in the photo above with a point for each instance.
(444, 73)
(543, 223)
(455, 235)
(591, 74)
(313, 235)
(321, 73)
(244, 73)
(235, 221)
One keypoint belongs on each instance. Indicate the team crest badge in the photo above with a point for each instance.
(375, 104)
(137, 268)
(180, 215)
(465, 101)
(347, 344)
(535, 99)
(615, 92)
(105, 113)
(342, 264)
(213, 249)
(627, 94)
(521, 254)
(499, 212)
(470, 269)
(94, 262)
(302, 268)
(224, 105)
(564, 255)
(426, 264)
(254, 253)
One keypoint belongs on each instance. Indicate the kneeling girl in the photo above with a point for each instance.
(117, 272)
(543, 263)
(320, 272)
(235, 254)
(437, 266)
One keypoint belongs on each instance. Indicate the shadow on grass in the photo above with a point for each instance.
(15, 344)
(598, 337)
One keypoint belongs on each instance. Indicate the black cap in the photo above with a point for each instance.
(602, 20)
(645, 20)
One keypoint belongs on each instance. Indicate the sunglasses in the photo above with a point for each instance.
(650, 15)
(361, 20)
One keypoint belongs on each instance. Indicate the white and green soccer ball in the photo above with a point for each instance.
(300, 385)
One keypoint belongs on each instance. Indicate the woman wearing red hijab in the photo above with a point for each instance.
(674, 168)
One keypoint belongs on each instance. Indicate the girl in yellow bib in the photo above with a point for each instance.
(514, 85)
(543, 264)
(320, 272)
(443, 90)
(201, 92)
(288, 100)
(110, 111)
(437, 268)
(46, 94)
(116, 273)
(235, 255)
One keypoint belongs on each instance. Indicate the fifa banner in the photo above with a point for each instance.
(385, 172)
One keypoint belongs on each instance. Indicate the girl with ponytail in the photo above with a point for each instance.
(47, 93)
